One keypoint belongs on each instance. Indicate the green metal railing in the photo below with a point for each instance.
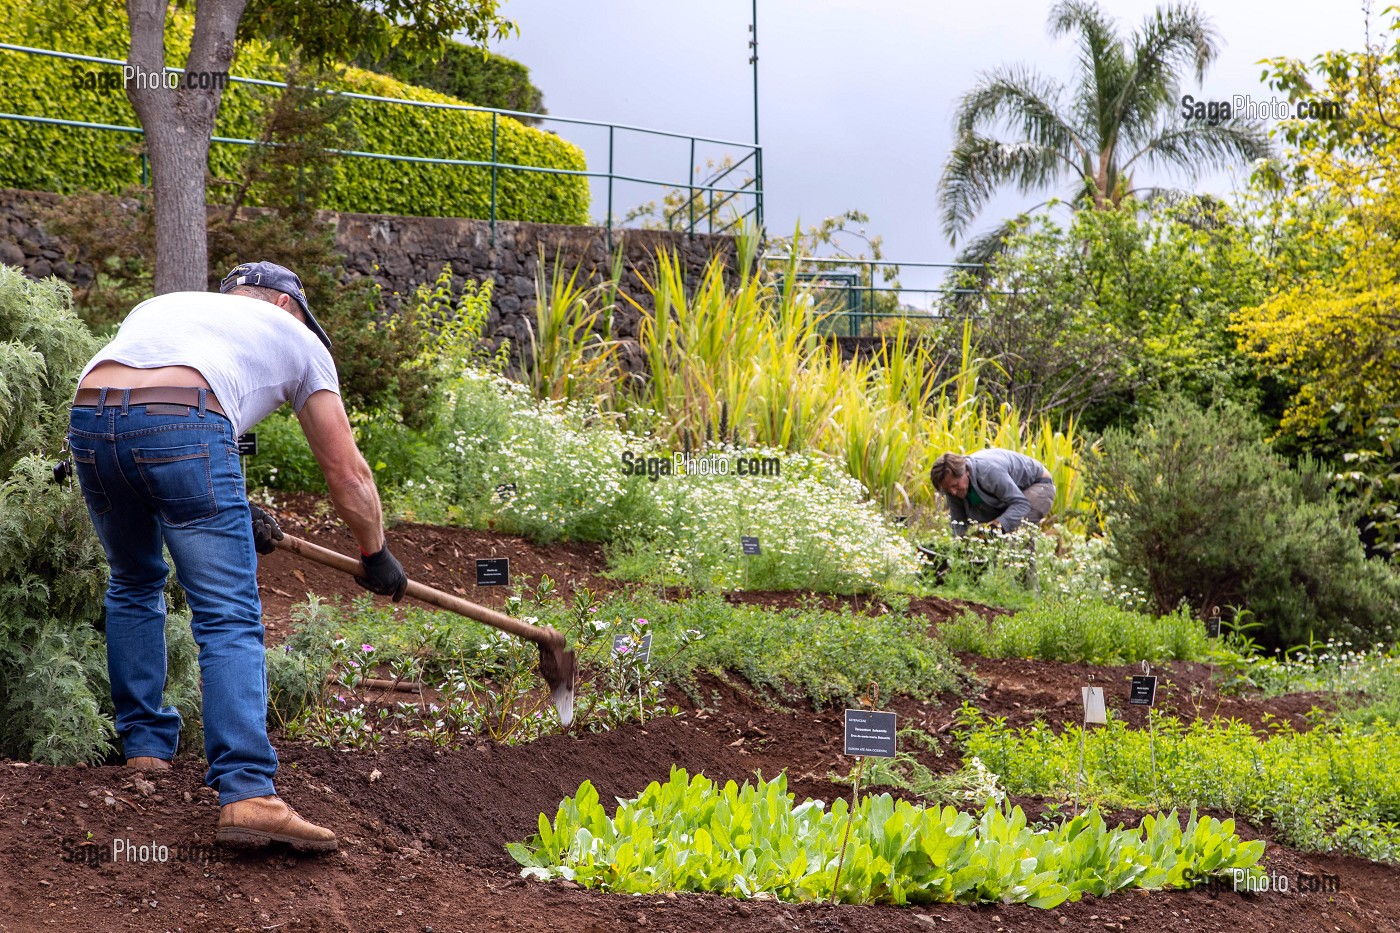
(751, 188)
(847, 291)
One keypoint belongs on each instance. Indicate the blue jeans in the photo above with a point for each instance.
(169, 474)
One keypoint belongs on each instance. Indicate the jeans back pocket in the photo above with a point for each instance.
(85, 466)
(178, 481)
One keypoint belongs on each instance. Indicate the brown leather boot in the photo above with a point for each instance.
(255, 822)
(148, 763)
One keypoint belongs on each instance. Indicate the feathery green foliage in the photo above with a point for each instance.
(1331, 788)
(1080, 630)
(53, 675)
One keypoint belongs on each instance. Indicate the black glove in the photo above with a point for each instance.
(265, 530)
(384, 575)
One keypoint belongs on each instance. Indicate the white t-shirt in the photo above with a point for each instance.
(253, 354)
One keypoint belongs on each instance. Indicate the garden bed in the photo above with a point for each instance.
(423, 831)
(423, 845)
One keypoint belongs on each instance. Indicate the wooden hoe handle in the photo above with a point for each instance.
(336, 561)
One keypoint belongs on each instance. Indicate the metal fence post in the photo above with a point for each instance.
(758, 165)
(145, 170)
(610, 185)
(494, 161)
(691, 231)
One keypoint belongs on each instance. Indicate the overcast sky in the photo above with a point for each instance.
(855, 96)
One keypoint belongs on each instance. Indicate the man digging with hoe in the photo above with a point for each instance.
(154, 431)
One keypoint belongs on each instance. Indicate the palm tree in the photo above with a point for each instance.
(1122, 110)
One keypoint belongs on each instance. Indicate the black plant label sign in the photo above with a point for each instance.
(248, 444)
(493, 571)
(750, 544)
(1213, 627)
(1143, 691)
(869, 733)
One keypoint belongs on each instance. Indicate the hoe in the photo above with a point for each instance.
(557, 665)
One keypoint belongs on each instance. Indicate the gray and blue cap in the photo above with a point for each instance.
(279, 278)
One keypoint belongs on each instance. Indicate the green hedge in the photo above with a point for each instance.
(463, 72)
(66, 160)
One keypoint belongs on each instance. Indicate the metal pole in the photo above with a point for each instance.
(758, 153)
(753, 60)
(494, 160)
(691, 205)
(610, 186)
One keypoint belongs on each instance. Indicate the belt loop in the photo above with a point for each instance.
(101, 401)
(126, 401)
(202, 393)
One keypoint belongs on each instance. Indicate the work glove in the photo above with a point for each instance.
(384, 575)
(265, 530)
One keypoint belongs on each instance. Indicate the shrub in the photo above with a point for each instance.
(484, 79)
(1198, 509)
(54, 699)
(68, 160)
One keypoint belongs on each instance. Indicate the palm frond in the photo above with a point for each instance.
(1172, 41)
(979, 165)
(1188, 147)
(1021, 99)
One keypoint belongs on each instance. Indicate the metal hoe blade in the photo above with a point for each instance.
(559, 668)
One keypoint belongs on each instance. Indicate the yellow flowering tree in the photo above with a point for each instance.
(1331, 325)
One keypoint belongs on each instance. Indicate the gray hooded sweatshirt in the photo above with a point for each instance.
(997, 477)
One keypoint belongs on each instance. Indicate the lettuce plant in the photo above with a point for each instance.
(690, 834)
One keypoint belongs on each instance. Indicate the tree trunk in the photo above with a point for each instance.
(178, 123)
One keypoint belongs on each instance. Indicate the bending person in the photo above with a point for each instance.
(993, 485)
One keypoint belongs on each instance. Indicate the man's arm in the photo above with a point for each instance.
(348, 476)
(1005, 489)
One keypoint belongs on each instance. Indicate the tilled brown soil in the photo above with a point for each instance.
(423, 831)
(422, 845)
(1023, 691)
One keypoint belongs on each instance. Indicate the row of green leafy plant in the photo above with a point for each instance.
(1331, 788)
(690, 834)
(1080, 630)
(486, 683)
(75, 159)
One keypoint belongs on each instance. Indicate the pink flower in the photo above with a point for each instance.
(367, 648)
(641, 621)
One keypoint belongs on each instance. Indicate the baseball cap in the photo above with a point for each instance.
(271, 275)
